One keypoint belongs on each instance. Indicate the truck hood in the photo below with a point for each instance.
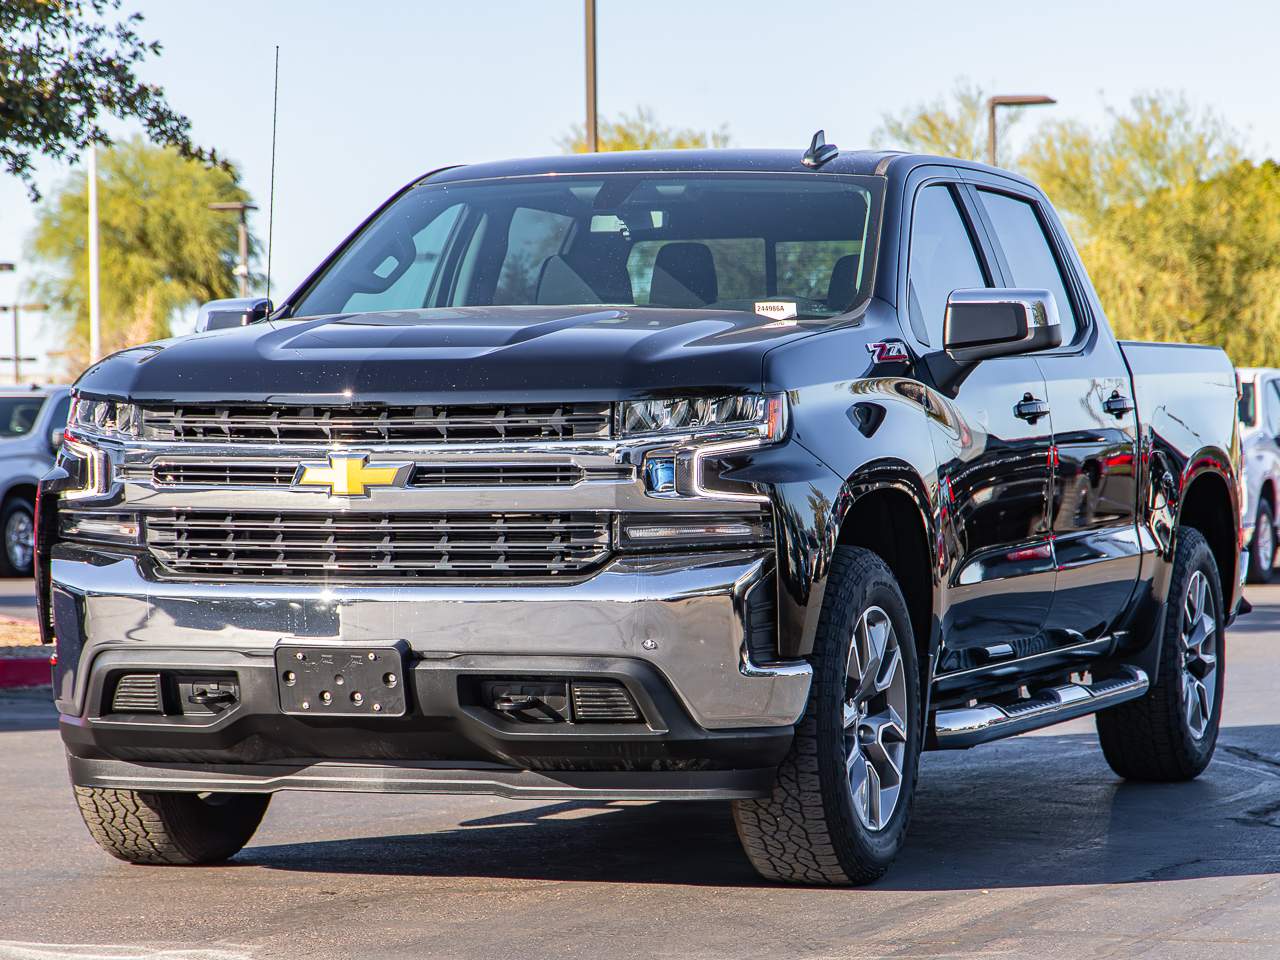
(461, 355)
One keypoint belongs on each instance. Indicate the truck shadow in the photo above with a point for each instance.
(1030, 812)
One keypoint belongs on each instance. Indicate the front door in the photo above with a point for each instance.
(992, 443)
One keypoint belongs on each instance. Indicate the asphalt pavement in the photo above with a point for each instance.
(1029, 848)
(17, 598)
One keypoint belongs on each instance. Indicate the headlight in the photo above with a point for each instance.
(112, 419)
(753, 414)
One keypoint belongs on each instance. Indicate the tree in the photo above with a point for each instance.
(1180, 234)
(954, 126)
(62, 64)
(1159, 142)
(161, 248)
(640, 131)
(1195, 261)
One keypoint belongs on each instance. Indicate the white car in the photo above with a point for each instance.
(1260, 436)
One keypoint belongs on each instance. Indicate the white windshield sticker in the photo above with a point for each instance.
(777, 309)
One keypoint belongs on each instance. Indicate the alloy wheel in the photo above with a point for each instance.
(19, 540)
(1199, 653)
(1266, 545)
(875, 718)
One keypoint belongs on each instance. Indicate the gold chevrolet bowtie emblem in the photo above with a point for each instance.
(350, 474)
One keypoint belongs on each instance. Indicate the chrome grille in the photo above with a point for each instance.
(495, 475)
(209, 543)
(281, 473)
(213, 473)
(473, 423)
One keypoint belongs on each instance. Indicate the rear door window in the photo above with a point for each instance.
(1030, 256)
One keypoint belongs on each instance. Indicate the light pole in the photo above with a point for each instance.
(95, 318)
(1009, 100)
(242, 268)
(593, 125)
(17, 358)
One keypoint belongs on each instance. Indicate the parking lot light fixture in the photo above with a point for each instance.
(1009, 100)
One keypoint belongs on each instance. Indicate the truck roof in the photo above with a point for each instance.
(865, 162)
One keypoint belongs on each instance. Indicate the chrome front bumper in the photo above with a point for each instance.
(682, 615)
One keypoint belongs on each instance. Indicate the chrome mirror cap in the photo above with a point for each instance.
(236, 312)
(999, 322)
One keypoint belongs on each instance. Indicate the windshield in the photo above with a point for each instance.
(18, 414)
(781, 245)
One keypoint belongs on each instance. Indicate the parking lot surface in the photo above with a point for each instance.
(1026, 848)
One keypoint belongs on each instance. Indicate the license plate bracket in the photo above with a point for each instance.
(346, 680)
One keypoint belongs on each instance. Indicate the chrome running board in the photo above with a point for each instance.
(961, 727)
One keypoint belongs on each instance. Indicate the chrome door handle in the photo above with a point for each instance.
(1030, 408)
(1118, 405)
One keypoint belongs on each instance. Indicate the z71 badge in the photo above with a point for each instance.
(888, 351)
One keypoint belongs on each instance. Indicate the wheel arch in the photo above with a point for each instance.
(1209, 505)
(885, 508)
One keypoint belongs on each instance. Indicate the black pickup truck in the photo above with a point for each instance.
(725, 475)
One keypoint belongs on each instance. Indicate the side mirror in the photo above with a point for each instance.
(981, 324)
(220, 314)
(55, 439)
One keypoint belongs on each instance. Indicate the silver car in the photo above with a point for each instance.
(1260, 434)
(31, 423)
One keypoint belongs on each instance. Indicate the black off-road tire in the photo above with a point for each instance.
(1150, 738)
(182, 829)
(807, 831)
(1262, 569)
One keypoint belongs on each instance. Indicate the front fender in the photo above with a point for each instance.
(849, 439)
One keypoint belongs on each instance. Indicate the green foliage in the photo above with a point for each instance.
(1160, 142)
(1180, 234)
(161, 249)
(640, 131)
(954, 126)
(62, 64)
(1197, 261)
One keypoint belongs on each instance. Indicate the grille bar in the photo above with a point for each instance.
(496, 475)
(475, 423)
(280, 473)
(233, 473)
(284, 545)
(137, 693)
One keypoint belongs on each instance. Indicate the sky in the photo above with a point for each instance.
(376, 94)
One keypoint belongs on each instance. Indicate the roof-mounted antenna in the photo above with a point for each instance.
(819, 151)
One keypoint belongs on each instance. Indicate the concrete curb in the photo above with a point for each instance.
(23, 672)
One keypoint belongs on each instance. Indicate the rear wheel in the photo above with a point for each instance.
(1170, 734)
(170, 828)
(1262, 551)
(841, 801)
(17, 525)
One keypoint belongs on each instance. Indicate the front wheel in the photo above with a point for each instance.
(182, 829)
(1170, 733)
(841, 800)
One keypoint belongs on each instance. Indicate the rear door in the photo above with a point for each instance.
(1093, 507)
(992, 455)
